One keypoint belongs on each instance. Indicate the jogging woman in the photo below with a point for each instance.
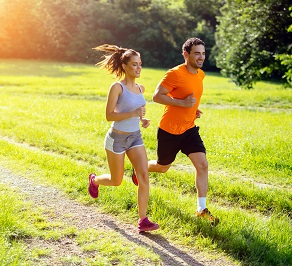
(126, 109)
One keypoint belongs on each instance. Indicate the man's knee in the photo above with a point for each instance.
(163, 168)
(202, 166)
(199, 161)
(153, 166)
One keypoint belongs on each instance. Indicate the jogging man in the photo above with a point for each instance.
(180, 90)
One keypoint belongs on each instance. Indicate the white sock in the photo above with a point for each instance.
(201, 203)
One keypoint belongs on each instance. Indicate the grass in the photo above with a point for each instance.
(19, 221)
(52, 125)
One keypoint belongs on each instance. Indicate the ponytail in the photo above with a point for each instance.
(114, 58)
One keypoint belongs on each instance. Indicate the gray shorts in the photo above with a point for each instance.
(120, 143)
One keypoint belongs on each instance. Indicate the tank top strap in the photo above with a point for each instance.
(139, 87)
(125, 88)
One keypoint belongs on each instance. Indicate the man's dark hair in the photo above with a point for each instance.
(187, 46)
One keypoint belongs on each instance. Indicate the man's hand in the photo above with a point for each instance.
(198, 113)
(189, 101)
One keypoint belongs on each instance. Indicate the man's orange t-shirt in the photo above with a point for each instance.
(181, 83)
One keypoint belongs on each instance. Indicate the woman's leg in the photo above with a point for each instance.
(116, 166)
(138, 158)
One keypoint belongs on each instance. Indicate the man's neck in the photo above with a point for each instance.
(191, 69)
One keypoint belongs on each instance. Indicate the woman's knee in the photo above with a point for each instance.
(116, 183)
(116, 180)
(143, 178)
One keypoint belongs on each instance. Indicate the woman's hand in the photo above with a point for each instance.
(145, 122)
(141, 111)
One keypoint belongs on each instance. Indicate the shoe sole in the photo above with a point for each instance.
(149, 229)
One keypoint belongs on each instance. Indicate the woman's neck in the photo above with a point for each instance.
(130, 83)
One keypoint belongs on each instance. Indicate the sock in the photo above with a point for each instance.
(201, 203)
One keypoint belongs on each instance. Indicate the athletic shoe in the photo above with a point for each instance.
(92, 188)
(206, 214)
(134, 178)
(146, 225)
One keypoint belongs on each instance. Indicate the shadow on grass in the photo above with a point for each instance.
(249, 245)
(169, 254)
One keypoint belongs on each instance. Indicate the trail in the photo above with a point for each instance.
(84, 217)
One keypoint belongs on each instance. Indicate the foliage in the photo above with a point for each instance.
(249, 36)
(251, 39)
(67, 30)
(139, 28)
(286, 59)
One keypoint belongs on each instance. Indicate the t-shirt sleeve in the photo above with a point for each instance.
(169, 81)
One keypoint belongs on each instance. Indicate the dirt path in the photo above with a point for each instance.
(83, 217)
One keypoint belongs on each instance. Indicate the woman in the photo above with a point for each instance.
(126, 108)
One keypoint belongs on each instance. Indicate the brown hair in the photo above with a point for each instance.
(187, 46)
(114, 58)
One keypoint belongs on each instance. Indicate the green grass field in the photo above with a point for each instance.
(52, 126)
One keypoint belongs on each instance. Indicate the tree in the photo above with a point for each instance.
(203, 24)
(67, 30)
(249, 37)
(286, 59)
(19, 30)
(156, 28)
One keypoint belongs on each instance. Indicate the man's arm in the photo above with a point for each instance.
(160, 96)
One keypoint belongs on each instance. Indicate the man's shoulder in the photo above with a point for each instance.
(201, 71)
(178, 67)
(176, 70)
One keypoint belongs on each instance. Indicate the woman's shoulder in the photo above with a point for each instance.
(116, 87)
(116, 84)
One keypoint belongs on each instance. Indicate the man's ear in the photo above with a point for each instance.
(185, 54)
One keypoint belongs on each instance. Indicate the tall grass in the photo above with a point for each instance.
(52, 123)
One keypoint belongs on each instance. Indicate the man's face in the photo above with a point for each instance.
(196, 57)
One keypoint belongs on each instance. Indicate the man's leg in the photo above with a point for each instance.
(201, 164)
(167, 148)
(153, 166)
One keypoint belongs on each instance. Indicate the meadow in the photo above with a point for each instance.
(52, 126)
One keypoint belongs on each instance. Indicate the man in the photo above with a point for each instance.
(180, 91)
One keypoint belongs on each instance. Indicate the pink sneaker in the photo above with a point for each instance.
(92, 188)
(134, 178)
(146, 225)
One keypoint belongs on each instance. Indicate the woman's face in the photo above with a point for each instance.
(134, 66)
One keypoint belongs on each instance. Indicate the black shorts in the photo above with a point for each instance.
(169, 144)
